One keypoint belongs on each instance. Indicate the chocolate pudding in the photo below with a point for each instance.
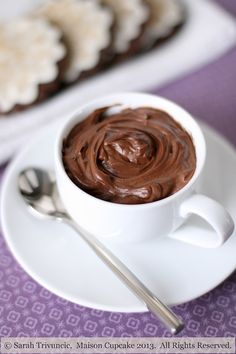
(135, 156)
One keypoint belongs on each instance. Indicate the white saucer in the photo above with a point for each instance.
(60, 261)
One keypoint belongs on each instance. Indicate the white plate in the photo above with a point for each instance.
(208, 26)
(59, 260)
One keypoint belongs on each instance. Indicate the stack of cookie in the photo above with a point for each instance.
(66, 41)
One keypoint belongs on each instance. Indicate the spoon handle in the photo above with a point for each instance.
(165, 314)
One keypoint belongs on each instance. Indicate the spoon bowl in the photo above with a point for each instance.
(39, 191)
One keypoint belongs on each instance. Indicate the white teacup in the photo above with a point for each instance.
(129, 223)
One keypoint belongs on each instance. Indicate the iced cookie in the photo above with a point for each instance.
(31, 61)
(86, 27)
(166, 16)
(130, 19)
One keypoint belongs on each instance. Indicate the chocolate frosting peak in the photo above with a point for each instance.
(135, 156)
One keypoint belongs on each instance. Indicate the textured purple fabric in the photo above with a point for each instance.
(27, 309)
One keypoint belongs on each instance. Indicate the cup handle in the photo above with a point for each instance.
(214, 214)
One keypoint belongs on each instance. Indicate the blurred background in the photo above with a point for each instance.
(56, 55)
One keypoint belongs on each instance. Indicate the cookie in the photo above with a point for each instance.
(166, 16)
(31, 61)
(86, 26)
(130, 19)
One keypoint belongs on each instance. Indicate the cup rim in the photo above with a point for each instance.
(75, 118)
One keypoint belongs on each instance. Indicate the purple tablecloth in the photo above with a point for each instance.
(27, 309)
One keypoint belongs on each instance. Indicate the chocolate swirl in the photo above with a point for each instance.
(135, 156)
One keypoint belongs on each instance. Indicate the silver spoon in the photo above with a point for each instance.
(39, 191)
